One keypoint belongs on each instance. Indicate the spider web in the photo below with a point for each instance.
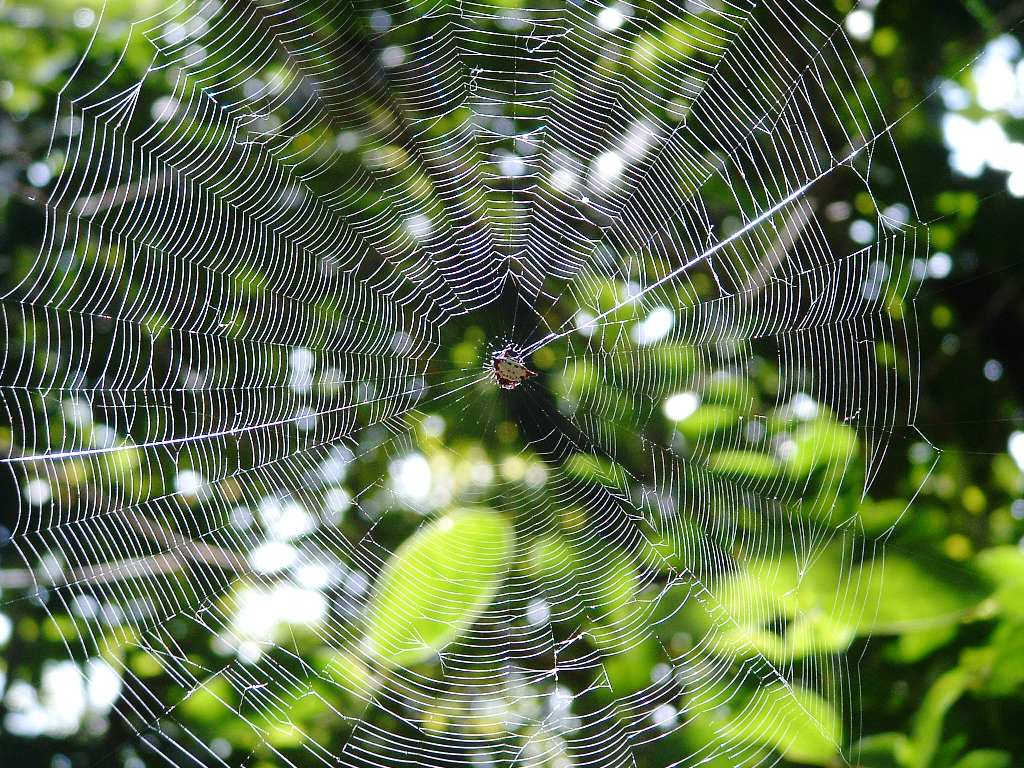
(261, 294)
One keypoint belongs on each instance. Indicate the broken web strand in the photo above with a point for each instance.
(441, 283)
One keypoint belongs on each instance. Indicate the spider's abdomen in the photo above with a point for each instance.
(510, 373)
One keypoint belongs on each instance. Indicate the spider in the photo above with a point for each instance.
(509, 369)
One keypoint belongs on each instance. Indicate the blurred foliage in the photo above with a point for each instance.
(940, 646)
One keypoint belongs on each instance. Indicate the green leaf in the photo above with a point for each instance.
(683, 545)
(436, 585)
(745, 463)
(605, 578)
(881, 750)
(915, 646)
(903, 597)
(910, 595)
(1000, 664)
(209, 702)
(597, 470)
(795, 721)
(928, 723)
(615, 586)
(284, 735)
(629, 671)
(707, 420)
(673, 360)
(550, 558)
(985, 758)
(1004, 566)
(729, 390)
(820, 443)
(878, 516)
(578, 378)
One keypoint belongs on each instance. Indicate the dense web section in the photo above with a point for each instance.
(264, 298)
